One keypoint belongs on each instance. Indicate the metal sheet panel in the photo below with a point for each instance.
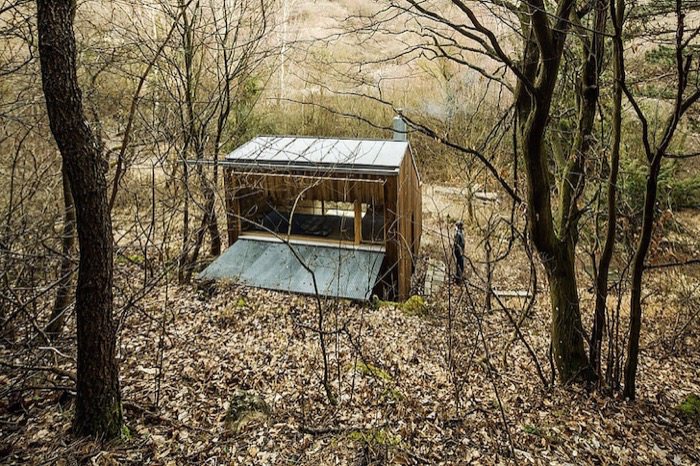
(340, 272)
(309, 151)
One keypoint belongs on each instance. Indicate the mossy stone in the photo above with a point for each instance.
(413, 306)
(245, 406)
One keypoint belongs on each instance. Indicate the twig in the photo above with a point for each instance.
(55, 370)
(672, 264)
(328, 430)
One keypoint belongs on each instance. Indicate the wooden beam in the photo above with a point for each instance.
(358, 221)
(391, 234)
(310, 240)
(233, 224)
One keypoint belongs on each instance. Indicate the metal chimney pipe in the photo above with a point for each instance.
(400, 130)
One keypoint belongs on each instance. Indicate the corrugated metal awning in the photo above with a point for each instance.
(340, 272)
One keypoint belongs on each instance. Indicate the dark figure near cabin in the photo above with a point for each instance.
(458, 251)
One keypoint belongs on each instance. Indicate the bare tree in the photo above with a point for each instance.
(687, 93)
(603, 265)
(222, 48)
(555, 179)
(63, 292)
(98, 403)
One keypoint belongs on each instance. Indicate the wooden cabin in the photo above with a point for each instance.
(343, 213)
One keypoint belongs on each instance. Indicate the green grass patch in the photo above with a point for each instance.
(375, 437)
(232, 312)
(123, 259)
(125, 433)
(690, 407)
(392, 395)
(373, 371)
(533, 430)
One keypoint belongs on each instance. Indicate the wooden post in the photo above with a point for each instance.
(233, 224)
(358, 221)
(390, 230)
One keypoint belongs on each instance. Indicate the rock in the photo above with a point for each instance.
(246, 406)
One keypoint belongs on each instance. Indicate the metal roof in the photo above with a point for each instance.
(340, 272)
(303, 153)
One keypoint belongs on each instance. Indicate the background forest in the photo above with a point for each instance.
(565, 134)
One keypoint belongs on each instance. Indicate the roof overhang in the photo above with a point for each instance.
(298, 168)
(346, 169)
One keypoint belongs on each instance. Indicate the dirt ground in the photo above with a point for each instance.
(441, 383)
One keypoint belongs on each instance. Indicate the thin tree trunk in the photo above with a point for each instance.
(196, 136)
(684, 64)
(98, 410)
(601, 283)
(190, 139)
(637, 271)
(63, 293)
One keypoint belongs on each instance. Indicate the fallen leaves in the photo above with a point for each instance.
(396, 400)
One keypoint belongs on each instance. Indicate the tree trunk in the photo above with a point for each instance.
(637, 272)
(601, 279)
(232, 207)
(98, 410)
(63, 293)
(556, 255)
(543, 49)
(567, 328)
(196, 247)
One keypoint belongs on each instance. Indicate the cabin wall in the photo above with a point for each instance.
(417, 208)
(409, 224)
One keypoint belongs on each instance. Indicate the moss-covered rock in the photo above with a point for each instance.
(690, 407)
(245, 407)
(413, 306)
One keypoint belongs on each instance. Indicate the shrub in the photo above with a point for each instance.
(674, 191)
(690, 407)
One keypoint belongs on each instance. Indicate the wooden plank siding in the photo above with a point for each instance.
(409, 223)
(391, 227)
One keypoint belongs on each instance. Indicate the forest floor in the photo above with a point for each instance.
(230, 375)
